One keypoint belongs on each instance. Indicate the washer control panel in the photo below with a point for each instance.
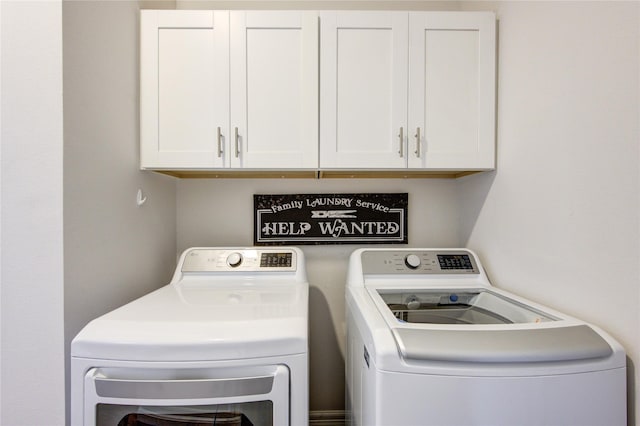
(419, 262)
(241, 260)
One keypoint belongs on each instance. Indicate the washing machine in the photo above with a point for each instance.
(431, 342)
(225, 343)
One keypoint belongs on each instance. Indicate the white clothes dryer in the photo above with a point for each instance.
(432, 342)
(225, 343)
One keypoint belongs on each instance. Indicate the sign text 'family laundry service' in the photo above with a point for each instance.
(330, 218)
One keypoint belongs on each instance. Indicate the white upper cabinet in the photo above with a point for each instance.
(226, 89)
(363, 89)
(184, 88)
(452, 90)
(277, 90)
(274, 89)
(407, 90)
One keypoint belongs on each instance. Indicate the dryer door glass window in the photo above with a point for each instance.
(234, 396)
(245, 414)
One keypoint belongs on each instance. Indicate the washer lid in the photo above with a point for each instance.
(482, 325)
(243, 319)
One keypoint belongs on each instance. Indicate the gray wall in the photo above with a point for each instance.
(114, 251)
(559, 220)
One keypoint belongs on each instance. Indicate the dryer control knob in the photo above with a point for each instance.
(234, 259)
(412, 261)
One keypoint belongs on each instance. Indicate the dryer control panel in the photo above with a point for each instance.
(418, 262)
(241, 260)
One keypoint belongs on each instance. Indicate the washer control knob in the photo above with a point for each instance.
(412, 261)
(234, 259)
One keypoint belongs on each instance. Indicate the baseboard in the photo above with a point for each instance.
(327, 418)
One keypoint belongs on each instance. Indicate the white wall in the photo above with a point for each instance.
(320, 4)
(31, 281)
(559, 220)
(114, 250)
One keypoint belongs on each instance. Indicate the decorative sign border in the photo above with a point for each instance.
(330, 219)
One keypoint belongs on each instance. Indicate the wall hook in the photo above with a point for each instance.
(140, 200)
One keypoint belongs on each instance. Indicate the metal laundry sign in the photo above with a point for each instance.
(330, 219)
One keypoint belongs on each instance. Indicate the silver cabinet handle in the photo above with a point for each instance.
(401, 137)
(417, 151)
(219, 143)
(237, 137)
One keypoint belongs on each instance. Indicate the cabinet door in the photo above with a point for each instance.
(452, 90)
(363, 89)
(274, 89)
(184, 88)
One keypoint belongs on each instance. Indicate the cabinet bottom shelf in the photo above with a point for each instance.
(318, 174)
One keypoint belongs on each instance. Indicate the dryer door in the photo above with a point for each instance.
(250, 396)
